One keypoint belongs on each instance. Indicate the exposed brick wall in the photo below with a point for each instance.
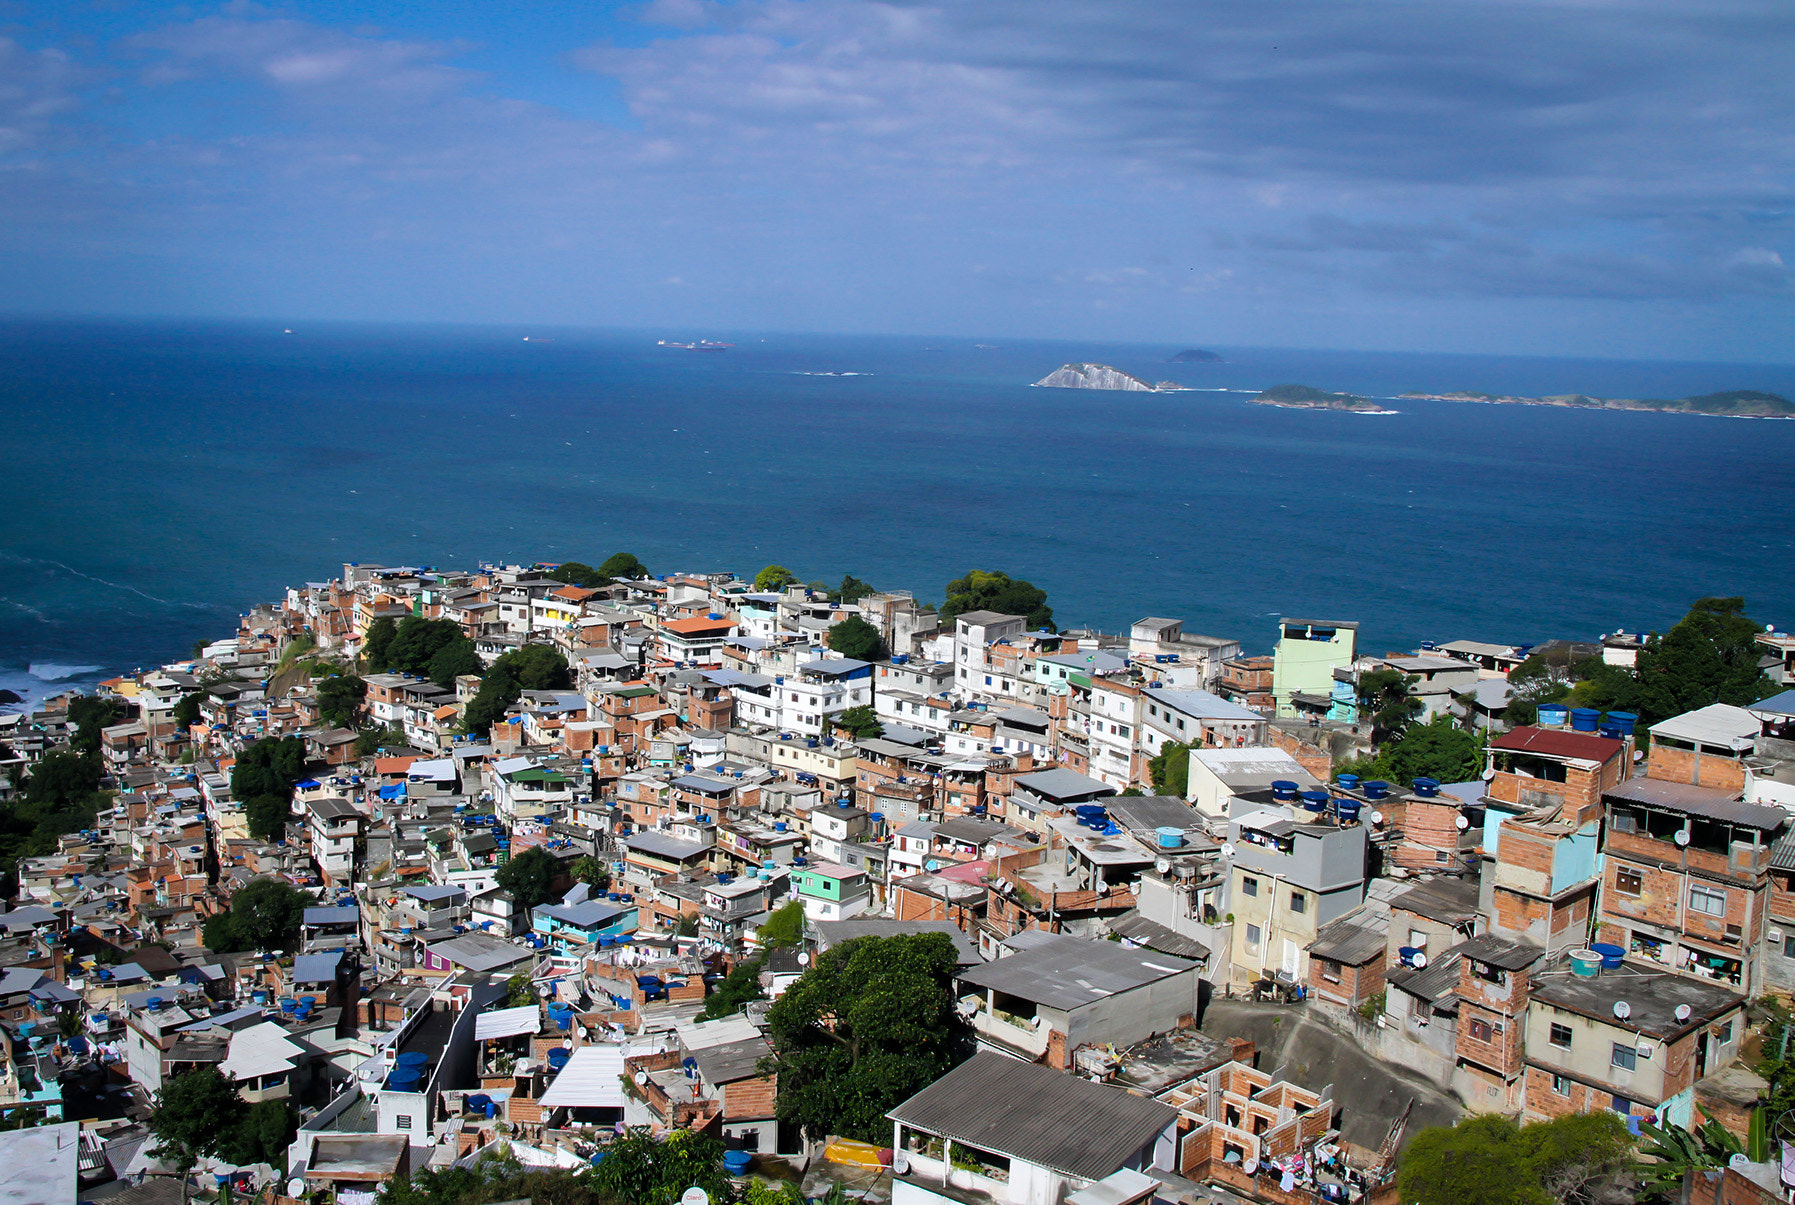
(1316, 761)
(750, 1099)
(1702, 769)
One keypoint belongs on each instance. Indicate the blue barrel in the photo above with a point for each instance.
(1348, 782)
(736, 1162)
(557, 1058)
(288, 1004)
(412, 1058)
(1375, 789)
(1315, 801)
(1427, 788)
(1553, 715)
(605, 941)
(1348, 809)
(1612, 955)
(1626, 721)
(1585, 719)
(404, 1079)
(599, 1158)
(476, 1102)
(1169, 837)
(1283, 788)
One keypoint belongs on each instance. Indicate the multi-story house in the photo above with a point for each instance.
(1185, 659)
(974, 634)
(830, 892)
(1289, 879)
(1304, 660)
(1494, 981)
(335, 826)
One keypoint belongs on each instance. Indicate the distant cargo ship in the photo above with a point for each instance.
(701, 345)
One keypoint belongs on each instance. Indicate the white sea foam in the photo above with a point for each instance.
(50, 671)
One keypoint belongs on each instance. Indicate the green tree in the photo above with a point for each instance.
(340, 700)
(1580, 1159)
(267, 816)
(88, 714)
(852, 590)
(623, 566)
(994, 591)
(376, 640)
(1170, 769)
(774, 577)
(784, 929)
(530, 877)
(494, 1180)
(452, 661)
(738, 987)
(194, 1114)
(1385, 700)
(532, 667)
(1679, 1151)
(856, 638)
(519, 992)
(265, 915)
(860, 722)
(374, 740)
(263, 1135)
(1710, 656)
(186, 713)
(1438, 749)
(574, 573)
(643, 1171)
(591, 871)
(269, 767)
(418, 640)
(61, 780)
(870, 1024)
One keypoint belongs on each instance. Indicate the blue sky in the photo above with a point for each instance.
(1583, 177)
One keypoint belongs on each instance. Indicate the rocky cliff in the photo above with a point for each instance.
(1302, 397)
(1098, 376)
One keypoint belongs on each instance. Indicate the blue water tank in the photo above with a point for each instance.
(1376, 788)
(1427, 788)
(476, 1102)
(557, 1058)
(412, 1058)
(1348, 809)
(736, 1162)
(1553, 715)
(1348, 781)
(1585, 719)
(1169, 837)
(1612, 955)
(1315, 801)
(1626, 721)
(1283, 789)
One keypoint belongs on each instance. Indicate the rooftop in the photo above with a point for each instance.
(1071, 972)
(1549, 742)
(1651, 997)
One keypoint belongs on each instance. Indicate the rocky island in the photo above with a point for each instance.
(1194, 355)
(1302, 397)
(1737, 403)
(1101, 376)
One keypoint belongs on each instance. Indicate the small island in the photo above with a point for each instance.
(1302, 397)
(1737, 403)
(1101, 376)
(1194, 355)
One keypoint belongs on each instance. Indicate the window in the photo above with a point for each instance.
(1252, 937)
(1724, 1033)
(1561, 1085)
(1628, 880)
(1560, 1036)
(1441, 855)
(1418, 939)
(1480, 1030)
(1625, 1057)
(403, 1121)
(1707, 902)
(1299, 902)
(1249, 886)
(750, 1140)
(1789, 946)
(1330, 970)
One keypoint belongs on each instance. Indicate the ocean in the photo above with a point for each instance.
(163, 477)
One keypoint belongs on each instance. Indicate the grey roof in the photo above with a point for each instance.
(1349, 941)
(1155, 936)
(1142, 813)
(985, 617)
(1075, 971)
(431, 892)
(1692, 800)
(834, 932)
(1652, 998)
(585, 914)
(332, 916)
(1450, 901)
(1063, 784)
(1434, 984)
(1038, 1115)
(1718, 724)
(1782, 857)
(665, 846)
(732, 1061)
(835, 667)
(977, 830)
(1509, 955)
(316, 968)
(332, 808)
(478, 952)
(1202, 705)
(704, 784)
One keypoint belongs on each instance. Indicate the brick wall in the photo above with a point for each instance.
(750, 1099)
(1311, 758)
(1353, 984)
(1702, 769)
(1428, 829)
(1501, 1050)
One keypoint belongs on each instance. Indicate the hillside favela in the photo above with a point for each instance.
(426, 881)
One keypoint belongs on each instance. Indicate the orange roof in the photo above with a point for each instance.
(692, 627)
(574, 593)
(443, 713)
(393, 765)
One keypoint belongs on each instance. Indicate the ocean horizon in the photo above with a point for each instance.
(166, 475)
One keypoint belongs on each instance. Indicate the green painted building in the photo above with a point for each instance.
(1307, 654)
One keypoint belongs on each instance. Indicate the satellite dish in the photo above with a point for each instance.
(1163, 866)
(1489, 772)
(900, 1162)
(1681, 837)
(1250, 1167)
(694, 1196)
(804, 960)
(1739, 1162)
(1682, 1013)
(296, 1187)
(1227, 849)
(1420, 961)
(1377, 817)
(1462, 823)
(641, 1078)
(1622, 1009)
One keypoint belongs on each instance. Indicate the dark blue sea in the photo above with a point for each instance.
(161, 478)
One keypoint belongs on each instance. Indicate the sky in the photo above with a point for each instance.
(1579, 177)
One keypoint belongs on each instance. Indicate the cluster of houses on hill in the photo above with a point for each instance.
(1578, 928)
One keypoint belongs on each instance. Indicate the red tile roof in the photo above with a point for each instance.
(1553, 743)
(697, 626)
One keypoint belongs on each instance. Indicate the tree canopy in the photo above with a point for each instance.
(377, 639)
(1170, 769)
(738, 987)
(532, 667)
(980, 590)
(269, 767)
(623, 566)
(784, 929)
(340, 698)
(267, 816)
(1580, 1159)
(855, 637)
(452, 661)
(639, 1169)
(61, 795)
(530, 877)
(774, 577)
(88, 714)
(860, 722)
(591, 871)
(416, 641)
(869, 1025)
(1710, 656)
(575, 573)
(1385, 700)
(195, 1114)
(264, 915)
(1438, 749)
(852, 589)
(186, 712)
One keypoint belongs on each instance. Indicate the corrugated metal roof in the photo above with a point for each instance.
(1349, 941)
(1691, 800)
(1580, 746)
(1783, 856)
(1038, 1115)
(1075, 971)
(592, 1079)
(1434, 984)
(1156, 936)
(508, 1022)
(1509, 955)
(1717, 724)
(732, 1061)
